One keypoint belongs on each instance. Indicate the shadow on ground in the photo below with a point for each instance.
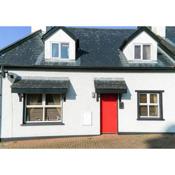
(164, 140)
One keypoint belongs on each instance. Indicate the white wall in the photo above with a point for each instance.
(159, 30)
(148, 81)
(79, 101)
(142, 38)
(60, 36)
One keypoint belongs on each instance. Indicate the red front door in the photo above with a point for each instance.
(109, 113)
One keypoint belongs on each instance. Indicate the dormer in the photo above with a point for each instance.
(60, 45)
(141, 46)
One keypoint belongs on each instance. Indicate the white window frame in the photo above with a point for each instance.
(141, 51)
(43, 106)
(59, 51)
(148, 104)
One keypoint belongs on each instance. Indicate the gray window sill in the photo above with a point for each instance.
(42, 124)
(151, 119)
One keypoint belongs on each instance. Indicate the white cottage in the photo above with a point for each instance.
(83, 81)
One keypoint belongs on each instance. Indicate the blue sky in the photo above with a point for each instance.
(9, 34)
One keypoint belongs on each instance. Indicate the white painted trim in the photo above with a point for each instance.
(59, 58)
(141, 54)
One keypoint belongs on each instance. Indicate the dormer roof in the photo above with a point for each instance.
(163, 43)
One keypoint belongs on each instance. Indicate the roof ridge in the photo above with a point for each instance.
(91, 28)
(18, 42)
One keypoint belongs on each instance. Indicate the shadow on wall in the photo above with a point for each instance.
(127, 96)
(166, 140)
(71, 95)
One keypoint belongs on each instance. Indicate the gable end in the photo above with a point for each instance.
(54, 30)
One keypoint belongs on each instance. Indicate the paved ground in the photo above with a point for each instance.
(103, 141)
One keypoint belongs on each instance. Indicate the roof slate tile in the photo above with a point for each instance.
(98, 48)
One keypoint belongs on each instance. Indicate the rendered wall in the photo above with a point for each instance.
(80, 101)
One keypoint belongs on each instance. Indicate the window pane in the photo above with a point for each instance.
(34, 114)
(137, 52)
(146, 52)
(52, 114)
(153, 98)
(143, 110)
(143, 98)
(64, 50)
(53, 99)
(34, 99)
(153, 110)
(55, 50)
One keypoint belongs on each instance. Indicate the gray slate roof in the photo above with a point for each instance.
(170, 33)
(110, 85)
(98, 48)
(41, 86)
